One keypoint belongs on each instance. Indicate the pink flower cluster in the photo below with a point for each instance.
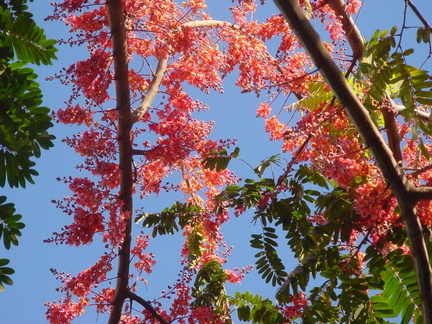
(295, 306)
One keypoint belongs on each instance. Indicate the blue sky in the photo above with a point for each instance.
(234, 114)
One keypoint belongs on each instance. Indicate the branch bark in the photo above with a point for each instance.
(352, 33)
(146, 305)
(391, 130)
(393, 174)
(422, 193)
(424, 115)
(119, 45)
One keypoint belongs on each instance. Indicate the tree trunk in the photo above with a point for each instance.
(119, 45)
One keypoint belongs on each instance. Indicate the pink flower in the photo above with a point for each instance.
(264, 110)
(233, 277)
(275, 128)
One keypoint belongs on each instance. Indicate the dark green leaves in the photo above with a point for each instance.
(4, 274)
(208, 288)
(10, 230)
(23, 125)
(24, 122)
(268, 263)
(170, 220)
(248, 196)
(219, 160)
(322, 249)
(256, 309)
(10, 225)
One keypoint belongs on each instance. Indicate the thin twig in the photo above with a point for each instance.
(419, 15)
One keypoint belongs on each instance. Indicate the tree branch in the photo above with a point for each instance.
(153, 90)
(424, 115)
(334, 77)
(418, 14)
(393, 174)
(422, 193)
(147, 305)
(391, 130)
(121, 75)
(356, 42)
(351, 31)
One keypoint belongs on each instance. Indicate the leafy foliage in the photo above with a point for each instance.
(344, 296)
(10, 225)
(24, 125)
(20, 34)
(4, 274)
(219, 160)
(386, 67)
(400, 296)
(23, 120)
(10, 230)
(269, 265)
(209, 288)
(170, 220)
(255, 309)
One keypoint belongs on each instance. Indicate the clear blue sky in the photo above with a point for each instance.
(234, 114)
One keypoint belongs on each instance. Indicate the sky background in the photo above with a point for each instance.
(234, 114)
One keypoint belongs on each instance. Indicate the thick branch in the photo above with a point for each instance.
(392, 173)
(146, 305)
(351, 31)
(207, 23)
(422, 193)
(121, 75)
(391, 130)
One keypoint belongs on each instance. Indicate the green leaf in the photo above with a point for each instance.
(408, 52)
(4, 262)
(273, 160)
(420, 33)
(219, 160)
(244, 313)
(424, 101)
(28, 40)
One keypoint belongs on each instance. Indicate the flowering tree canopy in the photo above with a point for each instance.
(351, 200)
